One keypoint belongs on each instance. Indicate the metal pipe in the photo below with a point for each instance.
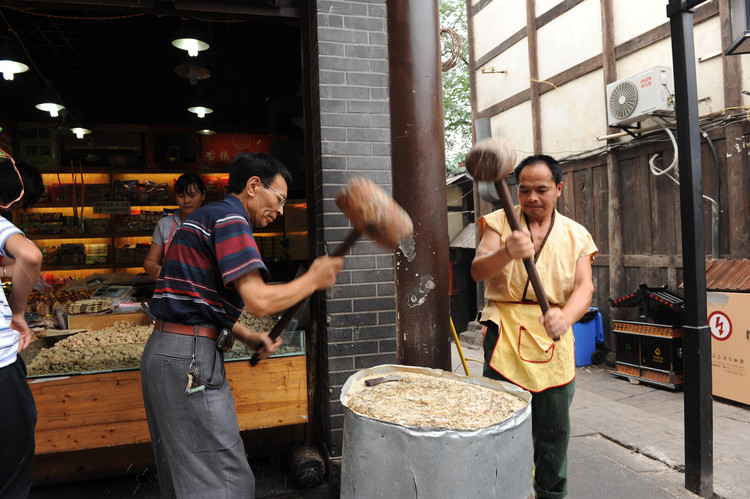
(715, 207)
(715, 216)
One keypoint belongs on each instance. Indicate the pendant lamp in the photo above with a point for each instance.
(191, 45)
(203, 126)
(49, 102)
(194, 69)
(199, 104)
(10, 60)
(79, 128)
(189, 37)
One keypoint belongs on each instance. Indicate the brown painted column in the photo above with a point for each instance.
(614, 208)
(536, 108)
(737, 175)
(418, 166)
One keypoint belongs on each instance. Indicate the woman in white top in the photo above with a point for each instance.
(21, 261)
(190, 194)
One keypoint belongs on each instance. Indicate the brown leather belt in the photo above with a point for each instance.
(171, 327)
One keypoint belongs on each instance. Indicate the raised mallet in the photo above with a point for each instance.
(491, 160)
(371, 211)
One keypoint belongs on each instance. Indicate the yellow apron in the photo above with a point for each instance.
(525, 355)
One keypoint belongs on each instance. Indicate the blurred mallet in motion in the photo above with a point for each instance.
(372, 212)
(491, 160)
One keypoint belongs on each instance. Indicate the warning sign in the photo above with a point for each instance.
(721, 326)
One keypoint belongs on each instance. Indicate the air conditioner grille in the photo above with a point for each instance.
(623, 100)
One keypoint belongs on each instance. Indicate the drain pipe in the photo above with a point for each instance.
(715, 205)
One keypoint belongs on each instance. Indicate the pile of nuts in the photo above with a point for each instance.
(119, 346)
(419, 400)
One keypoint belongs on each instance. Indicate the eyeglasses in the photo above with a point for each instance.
(282, 199)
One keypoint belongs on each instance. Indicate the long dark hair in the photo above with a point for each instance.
(10, 183)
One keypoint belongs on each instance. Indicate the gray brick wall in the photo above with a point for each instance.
(351, 138)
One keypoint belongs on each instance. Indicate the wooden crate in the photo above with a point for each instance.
(91, 411)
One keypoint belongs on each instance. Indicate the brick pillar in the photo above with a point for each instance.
(350, 137)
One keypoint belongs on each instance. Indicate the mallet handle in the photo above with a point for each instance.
(287, 316)
(505, 200)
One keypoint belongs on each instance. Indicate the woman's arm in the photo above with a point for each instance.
(28, 263)
(154, 259)
(7, 263)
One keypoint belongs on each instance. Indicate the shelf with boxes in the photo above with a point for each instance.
(103, 219)
(98, 219)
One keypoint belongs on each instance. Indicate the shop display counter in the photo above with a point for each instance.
(83, 410)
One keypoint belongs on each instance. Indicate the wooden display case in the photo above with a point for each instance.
(83, 414)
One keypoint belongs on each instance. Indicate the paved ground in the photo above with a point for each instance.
(628, 442)
(628, 438)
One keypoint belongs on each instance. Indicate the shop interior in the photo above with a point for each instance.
(133, 110)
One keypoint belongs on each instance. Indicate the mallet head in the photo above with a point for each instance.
(490, 160)
(375, 213)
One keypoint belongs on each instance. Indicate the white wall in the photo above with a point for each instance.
(515, 127)
(569, 39)
(496, 22)
(495, 87)
(575, 114)
(635, 17)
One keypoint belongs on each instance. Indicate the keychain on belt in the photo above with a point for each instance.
(195, 384)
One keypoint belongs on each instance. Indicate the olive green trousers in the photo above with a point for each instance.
(550, 427)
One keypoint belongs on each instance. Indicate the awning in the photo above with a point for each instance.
(466, 238)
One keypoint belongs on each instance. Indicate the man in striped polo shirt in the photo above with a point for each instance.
(211, 271)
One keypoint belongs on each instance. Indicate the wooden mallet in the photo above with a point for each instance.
(372, 212)
(491, 160)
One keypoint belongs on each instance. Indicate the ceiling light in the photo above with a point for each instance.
(191, 45)
(193, 69)
(10, 60)
(199, 104)
(189, 36)
(204, 126)
(200, 110)
(79, 131)
(49, 102)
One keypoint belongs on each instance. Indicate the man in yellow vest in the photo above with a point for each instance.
(520, 345)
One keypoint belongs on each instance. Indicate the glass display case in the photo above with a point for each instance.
(119, 347)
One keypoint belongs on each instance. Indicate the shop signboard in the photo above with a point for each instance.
(221, 148)
(38, 146)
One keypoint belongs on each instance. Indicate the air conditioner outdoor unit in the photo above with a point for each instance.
(640, 96)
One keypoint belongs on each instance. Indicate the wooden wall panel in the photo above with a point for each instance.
(663, 194)
(636, 206)
(600, 196)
